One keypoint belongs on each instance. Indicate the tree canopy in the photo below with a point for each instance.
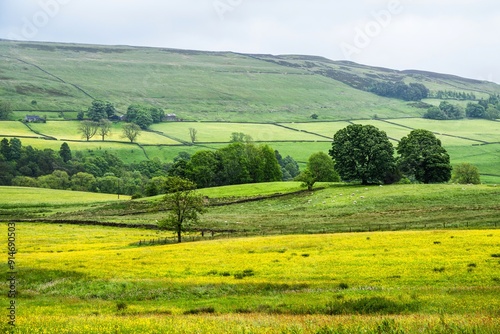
(100, 110)
(466, 173)
(362, 153)
(423, 159)
(5, 110)
(184, 206)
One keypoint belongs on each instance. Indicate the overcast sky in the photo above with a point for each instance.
(449, 36)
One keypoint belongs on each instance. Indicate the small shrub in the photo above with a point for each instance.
(364, 306)
(121, 306)
(201, 310)
(248, 272)
(343, 286)
(472, 265)
(439, 270)
(225, 274)
(243, 310)
(245, 273)
(305, 255)
(437, 242)
(495, 255)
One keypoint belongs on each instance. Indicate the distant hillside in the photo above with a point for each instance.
(51, 78)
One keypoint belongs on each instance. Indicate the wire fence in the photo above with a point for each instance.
(211, 234)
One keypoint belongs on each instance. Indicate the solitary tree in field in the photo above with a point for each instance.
(184, 206)
(104, 128)
(88, 129)
(307, 178)
(466, 173)
(192, 133)
(363, 153)
(422, 158)
(322, 167)
(131, 131)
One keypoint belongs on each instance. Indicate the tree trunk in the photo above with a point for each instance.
(179, 236)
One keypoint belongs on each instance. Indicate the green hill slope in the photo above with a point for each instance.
(44, 77)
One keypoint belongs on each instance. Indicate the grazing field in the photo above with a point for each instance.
(68, 130)
(472, 141)
(15, 129)
(91, 279)
(221, 132)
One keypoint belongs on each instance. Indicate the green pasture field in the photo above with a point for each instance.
(15, 129)
(44, 197)
(336, 208)
(474, 129)
(221, 132)
(68, 130)
(92, 279)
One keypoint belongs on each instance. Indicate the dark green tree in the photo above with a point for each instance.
(422, 158)
(184, 206)
(5, 110)
(272, 169)
(140, 115)
(362, 153)
(203, 168)
(157, 114)
(97, 111)
(307, 178)
(235, 164)
(475, 110)
(322, 168)
(5, 149)
(466, 173)
(15, 149)
(435, 113)
(65, 152)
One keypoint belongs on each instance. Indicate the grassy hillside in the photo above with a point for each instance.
(199, 85)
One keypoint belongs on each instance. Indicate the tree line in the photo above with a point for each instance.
(363, 153)
(236, 163)
(400, 90)
(484, 108)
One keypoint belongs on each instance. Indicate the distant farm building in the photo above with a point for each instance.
(171, 118)
(34, 119)
(118, 118)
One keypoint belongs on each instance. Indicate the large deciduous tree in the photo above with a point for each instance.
(466, 173)
(322, 167)
(88, 129)
(104, 128)
(423, 159)
(184, 206)
(131, 131)
(363, 153)
(100, 110)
